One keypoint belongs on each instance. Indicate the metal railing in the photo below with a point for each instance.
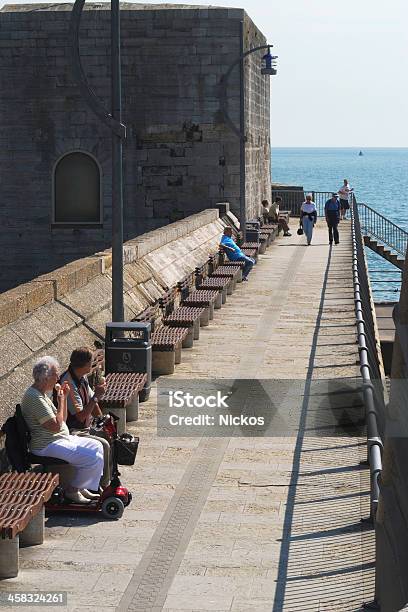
(376, 226)
(369, 351)
(292, 199)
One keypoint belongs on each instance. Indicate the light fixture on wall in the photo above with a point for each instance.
(269, 63)
(268, 68)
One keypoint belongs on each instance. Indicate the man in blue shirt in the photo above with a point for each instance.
(234, 253)
(332, 214)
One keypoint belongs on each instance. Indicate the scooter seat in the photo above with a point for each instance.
(45, 460)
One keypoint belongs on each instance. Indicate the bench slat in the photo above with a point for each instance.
(22, 497)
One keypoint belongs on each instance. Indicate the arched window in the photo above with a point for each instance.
(77, 189)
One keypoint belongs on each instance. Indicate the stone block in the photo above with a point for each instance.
(33, 534)
(163, 362)
(9, 558)
(189, 339)
(12, 307)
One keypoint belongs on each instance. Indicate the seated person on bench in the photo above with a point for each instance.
(50, 436)
(234, 253)
(82, 404)
(273, 215)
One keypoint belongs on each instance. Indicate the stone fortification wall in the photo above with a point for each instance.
(69, 307)
(179, 157)
(257, 119)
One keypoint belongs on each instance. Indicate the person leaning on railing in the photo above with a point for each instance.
(50, 436)
(344, 195)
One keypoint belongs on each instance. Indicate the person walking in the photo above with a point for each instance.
(308, 217)
(344, 195)
(332, 214)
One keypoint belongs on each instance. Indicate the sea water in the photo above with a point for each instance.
(379, 178)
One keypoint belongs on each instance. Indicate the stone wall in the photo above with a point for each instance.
(69, 307)
(179, 157)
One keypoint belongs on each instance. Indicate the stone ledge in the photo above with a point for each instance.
(61, 282)
(73, 276)
(26, 298)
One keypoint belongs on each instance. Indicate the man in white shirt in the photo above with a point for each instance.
(344, 196)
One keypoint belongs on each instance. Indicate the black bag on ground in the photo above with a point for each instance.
(126, 449)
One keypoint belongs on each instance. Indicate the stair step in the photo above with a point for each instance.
(384, 252)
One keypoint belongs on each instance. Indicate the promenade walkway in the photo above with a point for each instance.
(241, 524)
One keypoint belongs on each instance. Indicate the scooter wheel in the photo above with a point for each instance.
(112, 508)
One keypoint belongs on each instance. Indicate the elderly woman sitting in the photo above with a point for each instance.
(50, 436)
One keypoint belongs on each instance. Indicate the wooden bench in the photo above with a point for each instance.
(204, 282)
(219, 270)
(250, 249)
(122, 396)
(166, 341)
(182, 316)
(22, 498)
(225, 262)
(272, 229)
(191, 297)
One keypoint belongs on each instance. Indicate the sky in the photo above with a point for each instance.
(341, 70)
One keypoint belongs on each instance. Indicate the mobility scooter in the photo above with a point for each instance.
(113, 499)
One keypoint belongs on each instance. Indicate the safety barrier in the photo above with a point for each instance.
(373, 393)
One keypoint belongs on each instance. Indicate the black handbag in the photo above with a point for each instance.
(126, 449)
(300, 231)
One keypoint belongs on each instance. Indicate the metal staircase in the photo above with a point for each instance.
(383, 236)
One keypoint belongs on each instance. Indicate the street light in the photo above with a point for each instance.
(269, 63)
(268, 68)
(113, 121)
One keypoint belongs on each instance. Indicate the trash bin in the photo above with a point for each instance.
(128, 349)
(252, 230)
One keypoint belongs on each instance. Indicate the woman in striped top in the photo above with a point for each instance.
(50, 436)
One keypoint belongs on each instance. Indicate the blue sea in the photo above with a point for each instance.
(379, 178)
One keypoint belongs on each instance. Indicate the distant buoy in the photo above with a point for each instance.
(361, 153)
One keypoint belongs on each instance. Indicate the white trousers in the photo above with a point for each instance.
(85, 454)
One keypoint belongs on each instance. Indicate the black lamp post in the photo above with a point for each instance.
(112, 120)
(268, 68)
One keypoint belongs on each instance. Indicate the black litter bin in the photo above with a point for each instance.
(128, 349)
(253, 230)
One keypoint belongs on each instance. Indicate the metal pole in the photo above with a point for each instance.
(242, 137)
(118, 313)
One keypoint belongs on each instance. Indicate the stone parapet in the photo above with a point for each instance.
(60, 283)
(26, 298)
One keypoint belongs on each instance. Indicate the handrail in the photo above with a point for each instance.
(369, 360)
(377, 214)
(375, 225)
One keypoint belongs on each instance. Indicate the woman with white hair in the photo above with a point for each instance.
(50, 436)
(308, 217)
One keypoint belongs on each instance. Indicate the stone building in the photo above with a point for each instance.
(179, 157)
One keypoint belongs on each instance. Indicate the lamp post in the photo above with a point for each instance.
(268, 68)
(113, 121)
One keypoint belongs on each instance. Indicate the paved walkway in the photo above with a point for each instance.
(242, 524)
